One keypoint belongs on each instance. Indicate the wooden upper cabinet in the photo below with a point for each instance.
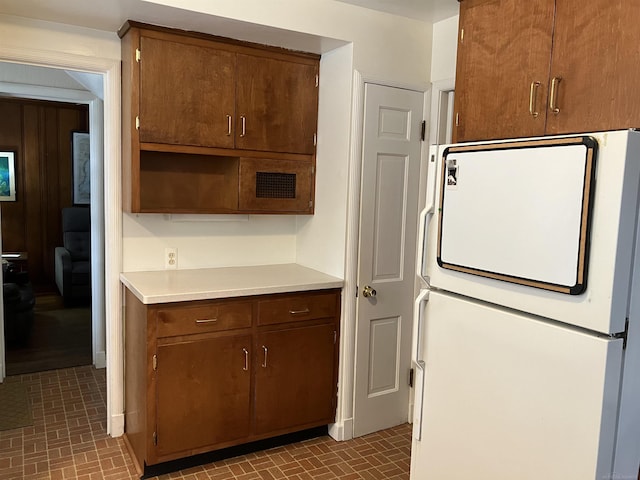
(277, 104)
(543, 67)
(503, 48)
(196, 92)
(187, 93)
(595, 53)
(234, 121)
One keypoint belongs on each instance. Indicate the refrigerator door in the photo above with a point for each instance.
(544, 241)
(508, 396)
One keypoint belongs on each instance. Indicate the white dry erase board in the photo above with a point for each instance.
(519, 211)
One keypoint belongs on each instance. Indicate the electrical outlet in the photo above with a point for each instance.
(170, 258)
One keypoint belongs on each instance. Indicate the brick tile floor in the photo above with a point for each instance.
(68, 440)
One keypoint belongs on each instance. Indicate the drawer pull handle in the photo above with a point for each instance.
(246, 359)
(533, 94)
(244, 125)
(553, 97)
(299, 312)
(204, 321)
(229, 121)
(264, 362)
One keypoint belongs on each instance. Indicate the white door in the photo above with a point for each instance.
(509, 396)
(387, 248)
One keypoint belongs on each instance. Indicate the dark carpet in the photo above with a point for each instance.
(58, 339)
(15, 411)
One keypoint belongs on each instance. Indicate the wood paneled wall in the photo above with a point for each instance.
(40, 134)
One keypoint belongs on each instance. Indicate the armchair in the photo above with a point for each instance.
(73, 259)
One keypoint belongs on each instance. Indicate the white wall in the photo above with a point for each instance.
(30, 75)
(25, 34)
(444, 49)
(233, 241)
(321, 238)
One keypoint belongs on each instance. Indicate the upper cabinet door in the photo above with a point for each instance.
(503, 68)
(595, 63)
(276, 105)
(187, 93)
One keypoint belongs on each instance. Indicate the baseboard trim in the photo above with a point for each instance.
(117, 425)
(341, 431)
(100, 360)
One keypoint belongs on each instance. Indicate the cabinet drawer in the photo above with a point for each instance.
(203, 319)
(297, 308)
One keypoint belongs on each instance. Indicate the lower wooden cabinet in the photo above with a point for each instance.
(205, 375)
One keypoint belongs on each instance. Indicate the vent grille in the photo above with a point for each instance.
(275, 185)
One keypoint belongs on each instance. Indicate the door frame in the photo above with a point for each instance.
(110, 71)
(343, 428)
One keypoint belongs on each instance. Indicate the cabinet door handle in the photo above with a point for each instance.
(264, 362)
(206, 320)
(298, 312)
(553, 96)
(229, 125)
(243, 119)
(533, 95)
(246, 359)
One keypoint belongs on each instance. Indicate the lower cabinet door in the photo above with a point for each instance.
(295, 378)
(203, 393)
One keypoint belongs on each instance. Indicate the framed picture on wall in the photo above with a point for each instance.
(81, 168)
(7, 176)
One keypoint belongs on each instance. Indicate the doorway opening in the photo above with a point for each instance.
(44, 256)
(106, 218)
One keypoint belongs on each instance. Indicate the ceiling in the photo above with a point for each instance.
(426, 10)
(110, 15)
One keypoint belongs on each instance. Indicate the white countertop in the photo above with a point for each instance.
(165, 286)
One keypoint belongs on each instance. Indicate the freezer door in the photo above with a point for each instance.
(508, 396)
(528, 206)
(508, 231)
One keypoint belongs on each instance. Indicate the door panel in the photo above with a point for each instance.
(383, 356)
(388, 218)
(185, 105)
(595, 95)
(518, 397)
(277, 105)
(295, 378)
(276, 185)
(505, 47)
(203, 393)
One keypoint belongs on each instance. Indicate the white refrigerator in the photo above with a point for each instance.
(526, 342)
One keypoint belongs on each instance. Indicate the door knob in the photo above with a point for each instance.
(367, 292)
